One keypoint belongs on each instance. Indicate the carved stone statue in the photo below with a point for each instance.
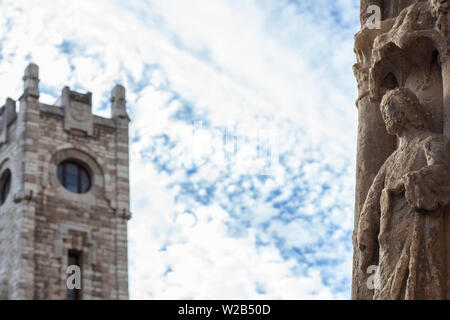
(401, 227)
(402, 220)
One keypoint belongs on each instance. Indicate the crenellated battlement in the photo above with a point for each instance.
(7, 116)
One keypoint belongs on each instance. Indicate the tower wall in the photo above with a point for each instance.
(10, 256)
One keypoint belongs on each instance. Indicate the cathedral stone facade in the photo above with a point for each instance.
(64, 196)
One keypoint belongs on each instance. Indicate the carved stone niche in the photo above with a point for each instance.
(409, 51)
(78, 117)
(416, 67)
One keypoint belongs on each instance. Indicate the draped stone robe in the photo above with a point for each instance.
(406, 239)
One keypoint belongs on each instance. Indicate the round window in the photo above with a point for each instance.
(74, 176)
(5, 185)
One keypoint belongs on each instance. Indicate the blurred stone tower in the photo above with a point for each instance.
(406, 48)
(64, 196)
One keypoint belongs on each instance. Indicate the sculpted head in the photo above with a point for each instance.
(401, 108)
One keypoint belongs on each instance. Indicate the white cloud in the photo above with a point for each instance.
(268, 65)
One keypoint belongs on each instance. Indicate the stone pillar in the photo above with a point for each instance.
(31, 80)
(29, 143)
(121, 119)
(373, 147)
(445, 64)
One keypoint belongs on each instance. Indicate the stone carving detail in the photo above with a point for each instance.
(440, 10)
(77, 111)
(79, 106)
(401, 228)
(403, 161)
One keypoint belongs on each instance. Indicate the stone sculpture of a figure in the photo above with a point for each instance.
(401, 227)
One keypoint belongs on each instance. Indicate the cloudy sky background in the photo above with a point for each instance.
(243, 133)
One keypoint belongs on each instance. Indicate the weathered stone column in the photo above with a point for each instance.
(121, 119)
(29, 132)
(374, 145)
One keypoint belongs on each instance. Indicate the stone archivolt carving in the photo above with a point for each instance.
(403, 166)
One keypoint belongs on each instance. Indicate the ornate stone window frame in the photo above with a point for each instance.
(95, 171)
(83, 179)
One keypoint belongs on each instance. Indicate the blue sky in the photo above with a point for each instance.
(243, 133)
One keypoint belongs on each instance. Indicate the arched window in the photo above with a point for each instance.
(74, 176)
(5, 185)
